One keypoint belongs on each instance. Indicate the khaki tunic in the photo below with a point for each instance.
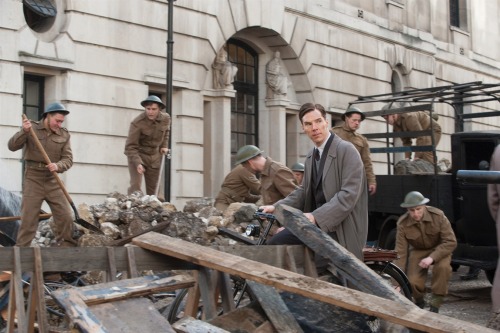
(432, 237)
(277, 181)
(361, 144)
(240, 185)
(145, 140)
(418, 121)
(39, 183)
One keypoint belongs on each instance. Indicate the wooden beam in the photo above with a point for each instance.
(344, 261)
(190, 325)
(275, 308)
(400, 313)
(120, 289)
(64, 259)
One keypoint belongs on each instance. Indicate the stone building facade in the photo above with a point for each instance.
(241, 70)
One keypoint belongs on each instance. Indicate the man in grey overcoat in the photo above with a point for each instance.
(334, 193)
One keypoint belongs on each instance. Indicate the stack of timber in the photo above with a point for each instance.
(274, 275)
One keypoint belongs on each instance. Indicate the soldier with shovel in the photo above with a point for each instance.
(39, 182)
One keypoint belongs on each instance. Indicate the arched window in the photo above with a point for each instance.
(244, 107)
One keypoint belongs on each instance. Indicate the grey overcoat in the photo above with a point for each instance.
(344, 185)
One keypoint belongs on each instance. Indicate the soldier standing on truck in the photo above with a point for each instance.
(352, 120)
(424, 238)
(411, 122)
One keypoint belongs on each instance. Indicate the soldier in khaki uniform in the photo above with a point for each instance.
(39, 182)
(277, 180)
(352, 119)
(415, 121)
(424, 238)
(241, 184)
(147, 143)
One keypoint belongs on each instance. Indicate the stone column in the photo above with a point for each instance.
(277, 128)
(217, 139)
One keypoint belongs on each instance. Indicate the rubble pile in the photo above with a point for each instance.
(121, 216)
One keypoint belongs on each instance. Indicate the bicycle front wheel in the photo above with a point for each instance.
(394, 275)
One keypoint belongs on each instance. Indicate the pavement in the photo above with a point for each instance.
(467, 300)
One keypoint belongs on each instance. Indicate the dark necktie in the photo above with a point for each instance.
(316, 154)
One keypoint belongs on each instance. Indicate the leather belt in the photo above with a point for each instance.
(35, 165)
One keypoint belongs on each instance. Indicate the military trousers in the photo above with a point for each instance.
(40, 185)
(151, 176)
(441, 273)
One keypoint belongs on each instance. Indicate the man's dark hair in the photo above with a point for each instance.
(308, 107)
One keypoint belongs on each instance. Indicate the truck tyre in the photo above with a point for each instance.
(490, 275)
(390, 240)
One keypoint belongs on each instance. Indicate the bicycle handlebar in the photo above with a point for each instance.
(261, 215)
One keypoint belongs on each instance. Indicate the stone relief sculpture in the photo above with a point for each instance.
(224, 71)
(275, 79)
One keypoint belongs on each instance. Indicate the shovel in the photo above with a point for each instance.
(78, 220)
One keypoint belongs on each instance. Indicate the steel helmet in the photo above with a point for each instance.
(153, 99)
(352, 109)
(298, 167)
(55, 107)
(247, 152)
(414, 199)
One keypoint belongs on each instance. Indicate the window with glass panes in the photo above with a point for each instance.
(244, 112)
(33, 96)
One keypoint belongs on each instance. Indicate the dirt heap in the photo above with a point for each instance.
(121, 216)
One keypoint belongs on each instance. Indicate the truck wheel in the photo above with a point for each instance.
(390, 240)
(490, 275)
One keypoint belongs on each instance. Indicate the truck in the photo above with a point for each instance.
(464, 203)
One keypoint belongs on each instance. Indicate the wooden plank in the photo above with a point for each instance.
(132, 265)
(193, 297)
(190, 325)
(131, 316)
(400, 313)
(224, 285)
(37, 303)
(207, 291)
(77, 311)
(5, 276)
(16, 301)
(275, 308)
(261, 253)
(344, 261)
(246, 319)
(111, 271)
(120, 289)
(57, 259)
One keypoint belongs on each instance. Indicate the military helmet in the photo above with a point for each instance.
(352, 109)
(153, 99)
(298, 167)
(414, 199)
(55, 107)
(247, 152)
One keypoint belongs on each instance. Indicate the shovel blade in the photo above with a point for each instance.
(88, 225)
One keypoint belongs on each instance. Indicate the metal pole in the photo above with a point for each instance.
(168, 104)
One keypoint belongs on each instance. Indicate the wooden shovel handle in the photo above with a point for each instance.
(47, 160)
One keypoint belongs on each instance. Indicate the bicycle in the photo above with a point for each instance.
(382, 266)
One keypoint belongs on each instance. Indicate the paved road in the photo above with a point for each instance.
(468, 300)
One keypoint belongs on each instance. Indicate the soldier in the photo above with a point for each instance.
(424, 238)
(241, 184)
(146, 145)
(415, 121)
(39, 183)
(352, 120)
(298, 172)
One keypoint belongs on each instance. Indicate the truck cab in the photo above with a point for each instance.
(465, 204)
